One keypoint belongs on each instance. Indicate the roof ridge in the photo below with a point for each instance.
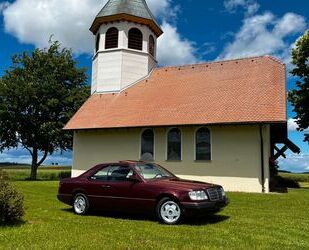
(221, 61)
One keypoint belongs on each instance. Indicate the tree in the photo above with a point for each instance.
(39, 93)
(300, 97)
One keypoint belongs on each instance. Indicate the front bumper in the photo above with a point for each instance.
(205, 207)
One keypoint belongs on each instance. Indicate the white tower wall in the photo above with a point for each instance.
(116, 69)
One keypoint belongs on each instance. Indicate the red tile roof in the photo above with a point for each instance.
(250, 90)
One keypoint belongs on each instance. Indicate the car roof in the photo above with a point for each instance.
(131, 162)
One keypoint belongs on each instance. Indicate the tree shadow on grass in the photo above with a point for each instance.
(205, 220)
(12, 224)
(194, 221)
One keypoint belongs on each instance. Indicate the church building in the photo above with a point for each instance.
(219, 122)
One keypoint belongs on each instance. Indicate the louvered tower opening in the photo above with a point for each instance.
(135, 39)
(111, 40)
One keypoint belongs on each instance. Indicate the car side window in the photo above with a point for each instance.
(113, 173)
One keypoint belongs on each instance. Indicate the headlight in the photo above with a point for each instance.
(198, 195)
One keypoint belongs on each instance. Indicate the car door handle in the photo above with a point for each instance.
(106, 186)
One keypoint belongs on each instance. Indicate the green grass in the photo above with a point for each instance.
(44, 173)
(274, 221)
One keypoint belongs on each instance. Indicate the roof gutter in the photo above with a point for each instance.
(262, 158)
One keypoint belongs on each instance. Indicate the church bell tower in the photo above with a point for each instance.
(125, 45)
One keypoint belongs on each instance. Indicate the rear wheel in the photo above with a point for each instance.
(169, 211)
(80, 204)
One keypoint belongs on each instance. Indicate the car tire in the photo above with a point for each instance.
(169, 211)
(80, 204)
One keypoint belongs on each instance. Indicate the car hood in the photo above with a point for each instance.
(184, 184)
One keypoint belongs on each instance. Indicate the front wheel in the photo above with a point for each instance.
(169, 211)
(80, 204)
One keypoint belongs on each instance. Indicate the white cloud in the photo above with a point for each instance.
(3, 6)
(34, 21)
(250, 6)
(163, 8)
(293, 126)
(264, 34)
(295, 163)
(173, 49)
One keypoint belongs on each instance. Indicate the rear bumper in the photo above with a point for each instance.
(206, 207)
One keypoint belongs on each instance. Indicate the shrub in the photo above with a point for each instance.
(287, 182)
(296, 177)
(11, 201)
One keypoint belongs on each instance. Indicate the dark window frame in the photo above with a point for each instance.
(151, 45)
(208, 145)
(147, 149)
(112, 38)
(177, 148)
(135, 39)
(97, 42)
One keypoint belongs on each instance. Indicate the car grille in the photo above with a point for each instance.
(215, 194)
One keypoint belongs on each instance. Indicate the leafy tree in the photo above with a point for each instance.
(39, 93)
(300, 97)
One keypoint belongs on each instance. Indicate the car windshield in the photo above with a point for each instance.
(151, 171)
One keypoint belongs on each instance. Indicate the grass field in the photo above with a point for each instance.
(21, 173)
(274, 221)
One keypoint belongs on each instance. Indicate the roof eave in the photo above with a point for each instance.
(125, 17)
(68, 128)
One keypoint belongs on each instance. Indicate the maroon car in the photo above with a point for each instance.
(140, 187)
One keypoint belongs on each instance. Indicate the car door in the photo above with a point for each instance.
(128, 194)
(100, 188)
(111, 188)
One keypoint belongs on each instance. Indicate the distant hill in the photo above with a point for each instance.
(13, 164)
(284, 171)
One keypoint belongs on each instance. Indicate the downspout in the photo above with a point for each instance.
(262, 158)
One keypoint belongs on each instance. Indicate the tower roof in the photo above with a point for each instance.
(130, 10)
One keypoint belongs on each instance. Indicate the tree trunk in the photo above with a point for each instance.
(34, 165)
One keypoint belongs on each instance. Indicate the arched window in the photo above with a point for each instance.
(202, 145)
(97, 43)
(174, 145)
(111, 40)
(151, 45)
(147, 145)
(135, 39)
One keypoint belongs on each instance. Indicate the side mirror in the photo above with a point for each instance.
(134, 178)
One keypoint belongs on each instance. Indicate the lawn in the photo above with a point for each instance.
(274, 221)
(21, 173)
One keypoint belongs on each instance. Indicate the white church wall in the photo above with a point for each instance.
(235, 164)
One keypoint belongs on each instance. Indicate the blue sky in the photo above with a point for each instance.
(195, 31)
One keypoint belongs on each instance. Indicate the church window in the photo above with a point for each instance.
(174, 145)
(147, 145)
(202, 145)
